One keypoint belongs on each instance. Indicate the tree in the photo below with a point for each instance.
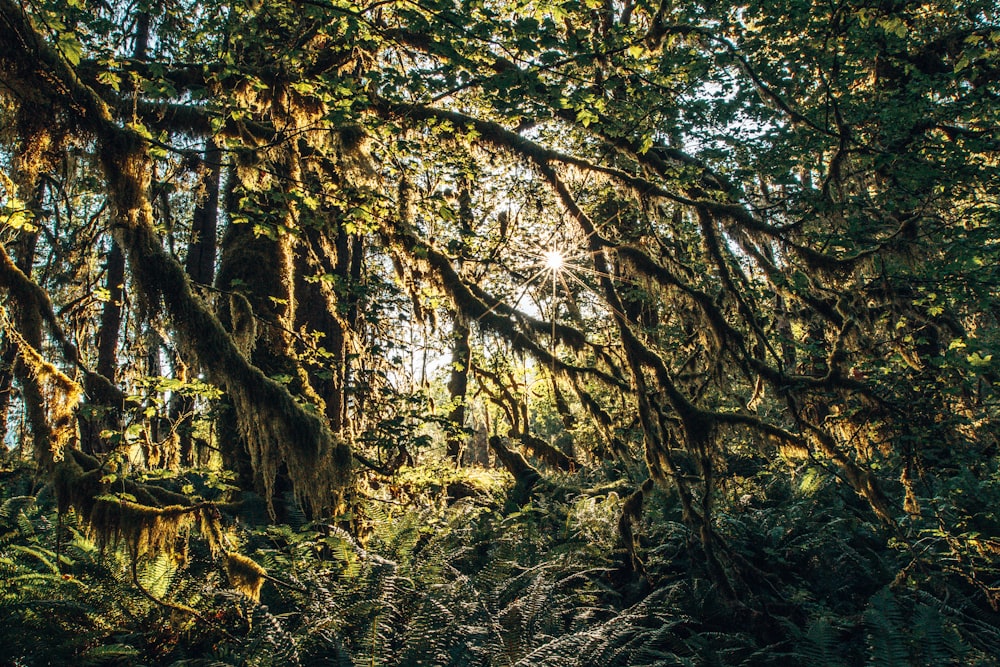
(778, 222)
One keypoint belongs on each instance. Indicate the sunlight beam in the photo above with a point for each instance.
(554, 260)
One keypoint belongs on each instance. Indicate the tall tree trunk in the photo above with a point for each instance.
(200, 266)
(8, 354)
(36, 153)
(333, 309)
(111, 314)
(461, 353)
(106, 417)
(201, 254)
(261, 313)
(29, 326)
(253, 314)
(458, 384)
(319, 311)
(159, 451)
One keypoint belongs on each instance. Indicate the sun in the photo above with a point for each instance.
(554, 260)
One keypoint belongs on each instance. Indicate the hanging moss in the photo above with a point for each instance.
(243, 324)
(143, 529)
(144, 518)
(55, 431)
(630, 517)
(547, 453)
(525, 476)
(245, 575)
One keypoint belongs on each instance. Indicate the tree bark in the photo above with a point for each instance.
(200, 267)
(458, 384)
(8, 354)
(202, 249)
(29, 326)
(111, 314)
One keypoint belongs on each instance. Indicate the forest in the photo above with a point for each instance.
(536, 333)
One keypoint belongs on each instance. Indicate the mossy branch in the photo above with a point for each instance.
(467, 299)
(525, 476)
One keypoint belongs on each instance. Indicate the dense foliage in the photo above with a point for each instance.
(471, 332)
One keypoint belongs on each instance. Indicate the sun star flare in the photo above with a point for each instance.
(554, 260)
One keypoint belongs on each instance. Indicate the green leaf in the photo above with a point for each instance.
(110, 79)
(978, 360)
(69, 46)
(19, 219)
(586, 117)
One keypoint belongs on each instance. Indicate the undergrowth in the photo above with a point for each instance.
(477, 581)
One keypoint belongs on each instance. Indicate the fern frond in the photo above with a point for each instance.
(44, 556)
(109, 654)
(157, 574)
(11, 507)
(884, 622)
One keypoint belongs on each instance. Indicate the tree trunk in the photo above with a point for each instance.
(201, 254)
(252, 314)
(109, 417)
(111, 314)
(200, 266)
(458, 384)
(8, 354)
(29, 326)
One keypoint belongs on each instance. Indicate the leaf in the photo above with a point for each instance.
(978, 360)
(140, 129)
(70, 47)
(586, 117)
(20, 219)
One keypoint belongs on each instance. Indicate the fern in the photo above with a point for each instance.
(884, 623)
(13, 506)
(467, 586)
(821, 643)
(157, 575)
(44, 556)
(965, 634)
(109, 654)
(931, 638)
